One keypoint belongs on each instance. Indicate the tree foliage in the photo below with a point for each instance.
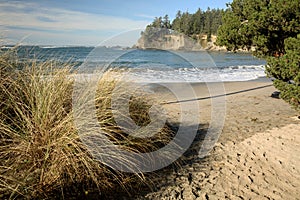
(286, 70)
(262, 24)
(271, 26)
(201, 22)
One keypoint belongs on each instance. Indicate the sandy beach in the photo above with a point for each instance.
(257, 155)
(150, 100)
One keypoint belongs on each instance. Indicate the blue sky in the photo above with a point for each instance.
(90, 22)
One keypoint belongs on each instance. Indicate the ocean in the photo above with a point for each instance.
(154, 65)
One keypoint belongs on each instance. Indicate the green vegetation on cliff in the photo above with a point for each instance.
(202, 22)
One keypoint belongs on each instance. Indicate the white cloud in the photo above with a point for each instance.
(31, 37)
(61, 18)
(22, 17)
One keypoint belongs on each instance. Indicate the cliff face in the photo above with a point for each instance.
(177, 41)
(168, 42)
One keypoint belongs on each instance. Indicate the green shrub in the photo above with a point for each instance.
(271, 27)
(286, 71)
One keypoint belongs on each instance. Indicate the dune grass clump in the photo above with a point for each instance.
(138, 112)
(41, 153)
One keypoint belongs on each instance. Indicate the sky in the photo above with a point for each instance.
(89, 22)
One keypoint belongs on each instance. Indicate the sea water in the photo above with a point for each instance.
(155, 65)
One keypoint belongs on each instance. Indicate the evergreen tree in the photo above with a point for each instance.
(176, 24)
(198, 22)
(192, 25)
(208, 23)
(272, 27)
(286, 70)
(263, 24)
(166, 22)
(157, 22)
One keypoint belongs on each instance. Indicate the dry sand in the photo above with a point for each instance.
(256, 157)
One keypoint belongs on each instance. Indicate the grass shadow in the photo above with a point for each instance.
(165, 177)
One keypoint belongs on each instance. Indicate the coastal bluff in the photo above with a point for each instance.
(178, 41)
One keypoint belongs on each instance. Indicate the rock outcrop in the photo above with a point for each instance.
(178, 41)
(168, 42)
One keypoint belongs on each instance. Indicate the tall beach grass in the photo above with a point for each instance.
(41, 153)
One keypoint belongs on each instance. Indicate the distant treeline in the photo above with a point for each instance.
(202, 22)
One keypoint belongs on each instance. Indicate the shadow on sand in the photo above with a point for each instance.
(169, 175)
(157, 179)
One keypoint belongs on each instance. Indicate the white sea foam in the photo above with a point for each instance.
(193, 75)
(51, 47)
(236, 73)
(6, 47)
